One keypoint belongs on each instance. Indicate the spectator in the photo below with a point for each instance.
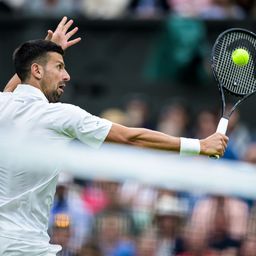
(104, 9)
(170, 47)
(174, 119)
(114, 227)
(188, 8)
(220, 239)
(195, 243)
(170, 213)
(223, 9)
(137, 112)
(250, 153)
(51, 7)
(114, 115)
(111, 234)
(67, 202)
(146, 244)
(61, 234)
(94, 197)
(149, 8)
(219, 216)
(206, 123)
(140, 198)
(90, 248)
(248, 247)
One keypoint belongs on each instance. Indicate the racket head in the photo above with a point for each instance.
(237, 80)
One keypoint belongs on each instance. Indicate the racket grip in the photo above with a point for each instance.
(222, 128)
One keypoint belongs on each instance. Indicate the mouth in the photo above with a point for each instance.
(61, 88)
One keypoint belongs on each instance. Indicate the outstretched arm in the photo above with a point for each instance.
(212, 145)
(60, 36)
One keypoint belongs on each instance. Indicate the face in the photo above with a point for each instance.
(54, 77)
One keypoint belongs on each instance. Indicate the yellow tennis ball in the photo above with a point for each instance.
(240, 57)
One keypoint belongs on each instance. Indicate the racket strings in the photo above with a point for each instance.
(236, 79)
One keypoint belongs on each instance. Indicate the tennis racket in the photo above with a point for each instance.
(235, 83)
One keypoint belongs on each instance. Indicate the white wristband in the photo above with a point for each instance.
(189, 147)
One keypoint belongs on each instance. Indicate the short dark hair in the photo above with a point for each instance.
(31, 51)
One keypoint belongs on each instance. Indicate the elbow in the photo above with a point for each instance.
(124, 135)
(125, 140)
(128, 141)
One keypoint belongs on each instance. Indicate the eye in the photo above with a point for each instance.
(60, 66)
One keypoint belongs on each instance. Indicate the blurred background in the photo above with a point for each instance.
(144, 63)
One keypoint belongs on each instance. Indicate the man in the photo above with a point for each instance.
(17, 210)
(33, 107)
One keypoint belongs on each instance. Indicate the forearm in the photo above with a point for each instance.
(158, 140)
(142, 138)
(12, 84)
(153, 139)
(212, 145)
(186, 146)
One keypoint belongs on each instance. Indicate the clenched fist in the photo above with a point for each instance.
(214, 145)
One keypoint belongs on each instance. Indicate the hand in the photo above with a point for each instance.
(215, 144)
(61, 35)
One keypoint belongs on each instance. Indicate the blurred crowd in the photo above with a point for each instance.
(107, 9)
(111, 218)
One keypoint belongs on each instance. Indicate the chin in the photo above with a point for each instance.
(54, 98)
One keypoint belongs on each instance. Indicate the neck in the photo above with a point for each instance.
(32, 83)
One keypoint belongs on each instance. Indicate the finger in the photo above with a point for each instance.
(223, 152)
(72, 32)
(224, 148)
(49, 35)
(62, 22)
(73, 42)
(225, 140)
(67, 26)
(220, 151)
(226, 144)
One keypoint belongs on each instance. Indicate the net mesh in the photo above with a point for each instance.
(239, 80)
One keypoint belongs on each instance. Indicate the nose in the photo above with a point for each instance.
(66, 76)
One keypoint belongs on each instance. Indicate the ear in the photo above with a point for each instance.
(37, 71)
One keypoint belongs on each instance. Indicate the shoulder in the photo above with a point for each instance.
(66, 116)
(66, 109)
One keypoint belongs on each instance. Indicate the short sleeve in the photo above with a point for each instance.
(77, 123)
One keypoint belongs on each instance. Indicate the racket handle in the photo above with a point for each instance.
(222, 128)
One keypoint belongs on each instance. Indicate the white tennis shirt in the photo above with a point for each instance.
(25, 197)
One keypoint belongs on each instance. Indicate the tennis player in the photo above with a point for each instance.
(33, 107)
(20, 199)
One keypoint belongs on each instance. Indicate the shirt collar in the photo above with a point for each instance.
(30, 90)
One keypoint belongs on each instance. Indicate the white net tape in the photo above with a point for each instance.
(122, 163)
